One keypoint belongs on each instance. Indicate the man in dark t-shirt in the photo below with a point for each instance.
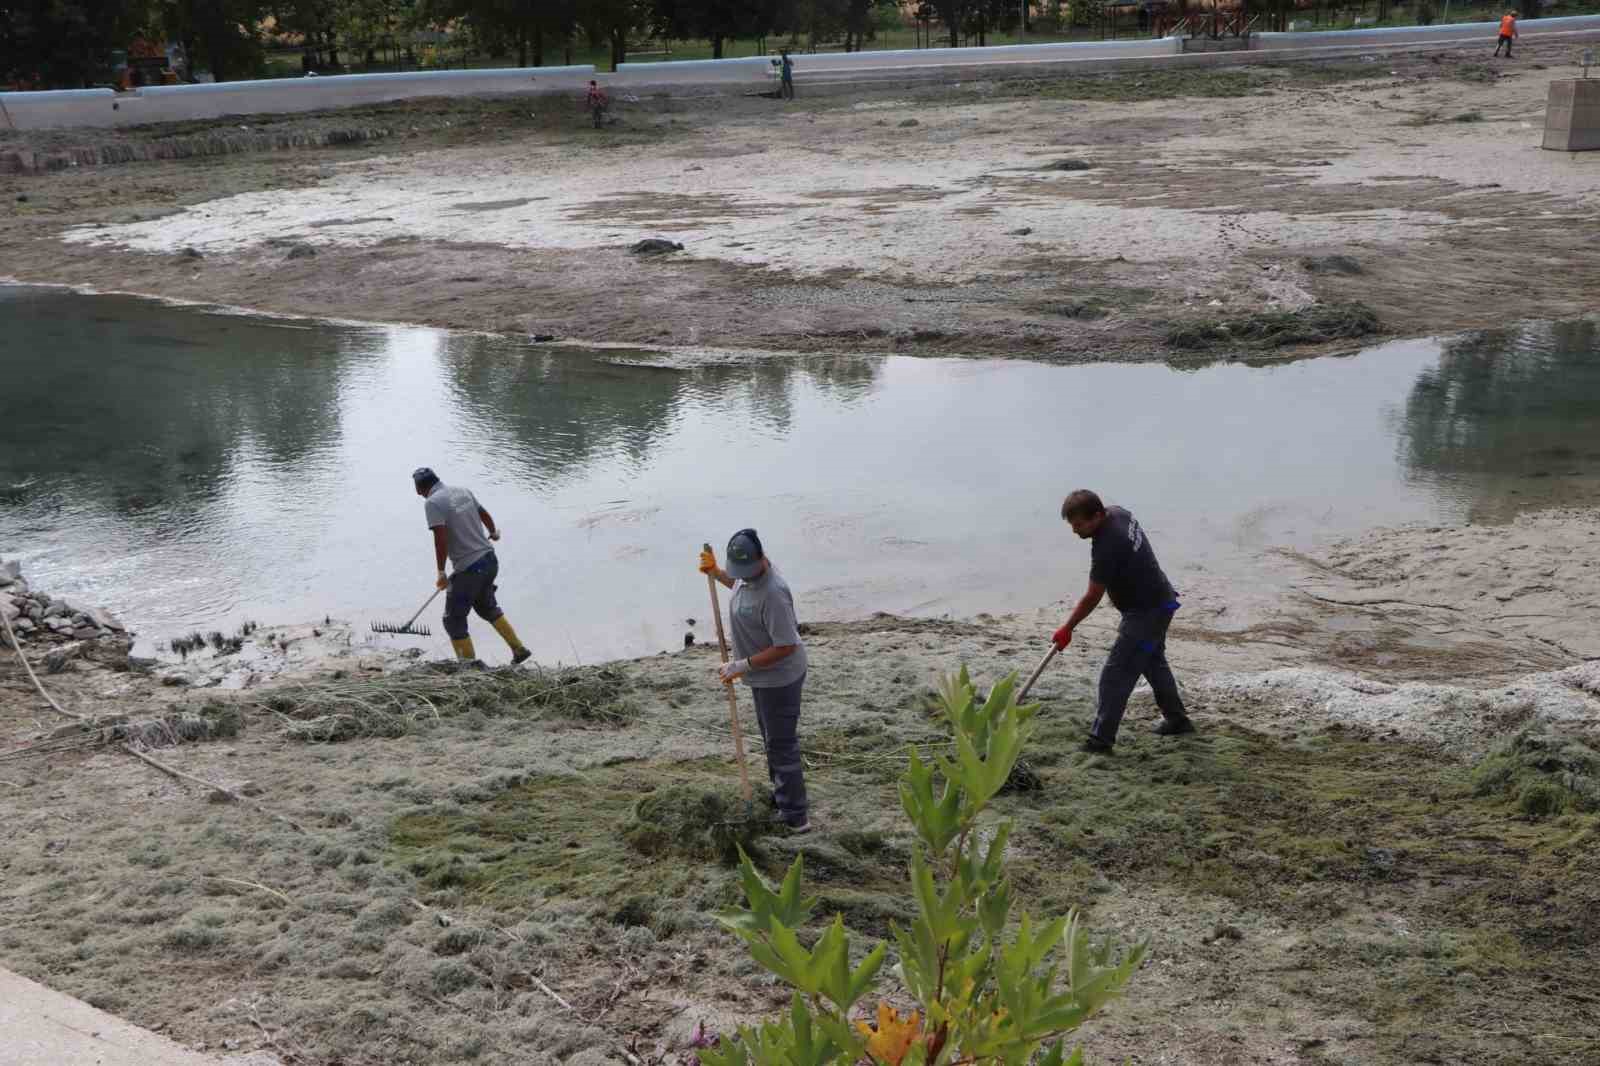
(1123, 565)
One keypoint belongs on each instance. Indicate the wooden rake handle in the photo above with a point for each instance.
(1051, 654)
(733, 697)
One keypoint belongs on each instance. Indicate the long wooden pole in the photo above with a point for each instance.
(733, 697)
(1051, 654)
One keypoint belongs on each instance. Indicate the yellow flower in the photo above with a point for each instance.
(894, 1035)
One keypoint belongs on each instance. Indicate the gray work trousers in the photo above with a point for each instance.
(778, 713)
(1140, 650)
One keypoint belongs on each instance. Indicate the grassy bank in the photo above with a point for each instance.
(506, 868)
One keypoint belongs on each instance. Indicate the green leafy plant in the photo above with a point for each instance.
(988, 988)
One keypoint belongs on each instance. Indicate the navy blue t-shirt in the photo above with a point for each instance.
(1121, 559)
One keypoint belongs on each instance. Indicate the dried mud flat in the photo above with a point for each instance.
(1381, 848)
(1408, 183)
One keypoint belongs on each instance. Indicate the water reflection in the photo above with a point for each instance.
(191, 469)
(560, 413)
(147, 409)
(1508, 417)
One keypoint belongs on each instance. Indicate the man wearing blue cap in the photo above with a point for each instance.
(771, 658)
(458, 523)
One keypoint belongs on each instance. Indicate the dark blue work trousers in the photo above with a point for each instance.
(472, 589)
(1140, 650)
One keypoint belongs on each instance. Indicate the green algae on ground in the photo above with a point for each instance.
(1546, 774)
(1316, 324)
(1309, 833)
(596, 836)
(401, 703)
(697, 822)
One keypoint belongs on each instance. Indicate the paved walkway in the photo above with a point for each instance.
(39, 1027)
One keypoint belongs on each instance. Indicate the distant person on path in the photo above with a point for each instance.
(597, 102)
(771, 658)
(1508, 33)
(1122, 563)
(458, 523)
(786, 66)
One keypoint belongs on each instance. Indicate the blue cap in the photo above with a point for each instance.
(744, 555)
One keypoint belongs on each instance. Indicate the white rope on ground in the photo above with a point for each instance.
(17, 647)
(230, 793)
(135, 752)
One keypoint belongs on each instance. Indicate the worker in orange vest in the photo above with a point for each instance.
(1508, 32)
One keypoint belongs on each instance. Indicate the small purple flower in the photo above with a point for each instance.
(702, 1037)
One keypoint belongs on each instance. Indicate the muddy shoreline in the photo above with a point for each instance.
(920, 220)
(1364, 714)
(1381, 847)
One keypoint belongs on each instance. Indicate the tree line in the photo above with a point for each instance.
(70, 43)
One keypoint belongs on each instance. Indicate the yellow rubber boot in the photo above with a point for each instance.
(519, 651)
(463, 648)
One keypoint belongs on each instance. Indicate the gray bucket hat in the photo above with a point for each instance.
(744, 555)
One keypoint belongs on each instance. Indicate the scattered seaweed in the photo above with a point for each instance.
(1316, 324)
(696, 822)
(1545, 773)
(401, 703)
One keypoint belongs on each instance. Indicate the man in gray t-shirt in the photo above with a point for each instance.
(459, 524)
(771, 658)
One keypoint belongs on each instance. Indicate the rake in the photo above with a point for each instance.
(1051, 654)
(733, 699)
(410, 628)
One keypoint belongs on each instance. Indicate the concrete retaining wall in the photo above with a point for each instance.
(179, 103)
(176, 103)
(756, 72)
(1394, 35)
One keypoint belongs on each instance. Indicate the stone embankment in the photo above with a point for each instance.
(27, 160)
(40, 617)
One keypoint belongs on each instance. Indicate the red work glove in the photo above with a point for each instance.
(1061, 638)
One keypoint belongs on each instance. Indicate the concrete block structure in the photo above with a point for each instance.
(1572, 116)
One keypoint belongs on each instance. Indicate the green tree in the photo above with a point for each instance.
(315, 21)
(992, 990)
(953, 13)
(222, 36)
(712, 20)
(501, 27)
(613, 21)
(66, 44)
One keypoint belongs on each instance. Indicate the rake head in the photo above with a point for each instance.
(407, 630)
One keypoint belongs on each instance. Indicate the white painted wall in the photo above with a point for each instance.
(757, 70)
(172, 103)
(177, 103)
(1396, 35)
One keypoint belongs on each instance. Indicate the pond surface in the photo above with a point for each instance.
(193, 469)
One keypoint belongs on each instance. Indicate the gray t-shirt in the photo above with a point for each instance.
(457, 511)
(761, 617)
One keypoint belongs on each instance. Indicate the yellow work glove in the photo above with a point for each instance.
(708, 561)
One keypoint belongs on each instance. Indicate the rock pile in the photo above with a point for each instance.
(38, 616)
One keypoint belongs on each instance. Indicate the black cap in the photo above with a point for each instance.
(744, 554)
